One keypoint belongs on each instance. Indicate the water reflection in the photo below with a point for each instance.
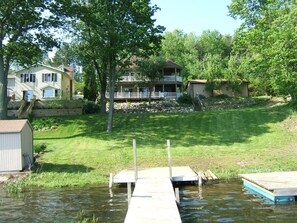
(64, 205)
(229, 202)
(217, 202)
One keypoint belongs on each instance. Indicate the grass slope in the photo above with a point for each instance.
(227, 142)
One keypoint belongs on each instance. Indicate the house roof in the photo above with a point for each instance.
(10, 126)
(171, 64)
(66, 71)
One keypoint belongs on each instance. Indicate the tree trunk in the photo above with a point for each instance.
(111, 95)
(103, 84)
(3, 89)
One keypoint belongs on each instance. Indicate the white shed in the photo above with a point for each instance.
(16, 145)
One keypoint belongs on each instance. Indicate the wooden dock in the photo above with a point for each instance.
(276, 186)
(153, 199)
(179, 174)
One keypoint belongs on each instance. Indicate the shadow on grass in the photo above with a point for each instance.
(64, 168)
(184, 129)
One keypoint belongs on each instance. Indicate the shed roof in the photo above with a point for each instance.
(8, 126)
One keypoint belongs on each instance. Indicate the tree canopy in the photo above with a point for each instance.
(25, 34)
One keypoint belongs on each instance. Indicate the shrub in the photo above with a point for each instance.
(40, 148)
(90, 107)
(185, 99)
(39, 124)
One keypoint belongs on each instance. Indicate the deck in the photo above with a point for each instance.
(153, 199)
(276, 186)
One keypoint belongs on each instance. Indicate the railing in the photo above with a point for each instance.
(166, 78)
(144, 95)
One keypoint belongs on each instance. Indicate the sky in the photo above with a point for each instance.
(195, 16)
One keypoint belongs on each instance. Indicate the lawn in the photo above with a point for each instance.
(80, 151)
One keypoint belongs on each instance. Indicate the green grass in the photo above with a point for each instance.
(80, 151)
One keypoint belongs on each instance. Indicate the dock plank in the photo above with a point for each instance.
(179, 174)
(153, 200)
(274, 180)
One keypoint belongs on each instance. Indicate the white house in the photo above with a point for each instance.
(41, 81)
(16, 145)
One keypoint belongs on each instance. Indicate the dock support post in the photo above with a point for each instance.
(129, 192)
(169, 159)
(110, 180)
(177, 195)
(135, 161)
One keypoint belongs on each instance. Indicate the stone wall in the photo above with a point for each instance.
(56, 112)
(49, 112)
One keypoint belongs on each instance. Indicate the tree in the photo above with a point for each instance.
(151, 70)
(115, 30)
(268, 36)
(24, 36)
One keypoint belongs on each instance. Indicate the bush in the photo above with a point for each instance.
(90, 107)
(40, 148)
(46, 123)
(222, 96)
(185, 99)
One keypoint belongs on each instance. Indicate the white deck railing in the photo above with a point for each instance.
(171, 78)
(144, 95)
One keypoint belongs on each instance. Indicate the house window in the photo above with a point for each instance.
(27, 78)
(49, 77)
(48, 93)
(56, 93)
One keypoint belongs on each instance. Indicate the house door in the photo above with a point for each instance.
(27, 95)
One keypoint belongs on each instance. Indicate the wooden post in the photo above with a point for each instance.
(177, 195)
(135, 161)
(129, 192)
(169, 159)
(110, 180)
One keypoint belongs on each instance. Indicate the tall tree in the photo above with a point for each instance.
(24, 36)
(116, 30)
(268, 36)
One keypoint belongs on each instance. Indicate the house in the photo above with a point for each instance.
(132, 86)
(42, 82)
(198, 88)
(16, 145)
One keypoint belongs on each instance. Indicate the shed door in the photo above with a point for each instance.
(10, 152)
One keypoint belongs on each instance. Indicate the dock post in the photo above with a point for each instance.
(169, 159)
(129, 192)
(177, 195)
(135, 160)
(110, 180)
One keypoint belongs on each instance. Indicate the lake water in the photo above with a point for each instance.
(217, 202)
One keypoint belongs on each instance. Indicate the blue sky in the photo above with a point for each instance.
(195, 16)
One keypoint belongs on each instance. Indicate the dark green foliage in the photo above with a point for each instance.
(185, 99)
(222, 96)
(40, 148)
(293, 104)
(90, 107)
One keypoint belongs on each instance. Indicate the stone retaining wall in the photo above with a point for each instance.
(49, 112)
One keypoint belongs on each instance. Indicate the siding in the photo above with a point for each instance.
(27, 144)
(10, 152)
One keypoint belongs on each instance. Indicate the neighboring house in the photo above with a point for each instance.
(133, 86)
(198, 88)
(16, 145)
(41, 81)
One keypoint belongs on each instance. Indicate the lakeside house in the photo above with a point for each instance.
(199, 88)
(41, 82)
(133, 87)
